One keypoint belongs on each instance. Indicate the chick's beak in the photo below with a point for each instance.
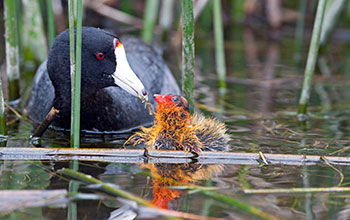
(124, 76)
(159, 98)
(163, 99)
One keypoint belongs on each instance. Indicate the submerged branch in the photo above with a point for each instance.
(154, 156)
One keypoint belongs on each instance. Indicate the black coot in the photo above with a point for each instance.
(112, 83)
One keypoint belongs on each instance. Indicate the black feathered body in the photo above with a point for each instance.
(102, 109)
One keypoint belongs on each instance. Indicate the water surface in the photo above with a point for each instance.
(258, 108)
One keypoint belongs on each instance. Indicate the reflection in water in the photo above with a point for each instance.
(264, 73)
(167, 175)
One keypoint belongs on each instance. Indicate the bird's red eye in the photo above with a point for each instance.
(100, 56)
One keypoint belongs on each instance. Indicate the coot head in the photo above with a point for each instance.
(103, 64)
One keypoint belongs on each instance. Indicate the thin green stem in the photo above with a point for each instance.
(34, 42)
(12, 54)
(150, 18)
(219, 44)
(312, 57)
(72, 58)
(188, 52)
(77, 78)
(19, 25)
(73, 189)
(51, 22)
(72, 207)
(75, 58)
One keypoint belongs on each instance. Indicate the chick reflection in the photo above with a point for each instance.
(167, 175)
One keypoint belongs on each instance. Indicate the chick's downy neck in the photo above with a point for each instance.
(171, 118)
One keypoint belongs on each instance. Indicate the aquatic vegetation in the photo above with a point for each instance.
(75, 36)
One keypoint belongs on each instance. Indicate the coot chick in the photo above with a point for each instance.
(110, 87)
(175, 129)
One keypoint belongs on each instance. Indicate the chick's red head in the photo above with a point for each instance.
(171, 100)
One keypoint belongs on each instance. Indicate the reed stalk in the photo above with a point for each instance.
(219, 44)
(51, 22)
(188, 53)
(34, 38)
(72, 213)
(150, 18)
(19, 34)
(331, 16)
(312, 57)
(12, 53)
(75, 60)
(73, 188)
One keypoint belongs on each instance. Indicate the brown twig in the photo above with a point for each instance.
(13, 110)
(46, 122)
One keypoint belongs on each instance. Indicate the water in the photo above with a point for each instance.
(258, 108)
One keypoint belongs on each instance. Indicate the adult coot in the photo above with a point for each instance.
(175, 129)
(110, 87)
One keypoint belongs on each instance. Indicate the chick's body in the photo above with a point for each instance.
(175, 129)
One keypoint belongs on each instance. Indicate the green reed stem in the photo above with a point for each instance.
(19, 25)
(77, 77)
(12, 54)
(150, 18)
(73, 188)
(51, 22)
(219, 44)
(188, 53)
(312, 57)
(35, 43)
(75, 59)
(72, 62)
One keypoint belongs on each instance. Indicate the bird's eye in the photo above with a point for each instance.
(100, 55)
(175, 99)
